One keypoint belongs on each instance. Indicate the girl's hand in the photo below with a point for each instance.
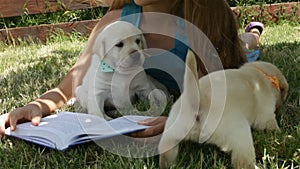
(30, 112)
(157, 127)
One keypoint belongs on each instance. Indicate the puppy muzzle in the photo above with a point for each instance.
(135, 56)
(134, 59)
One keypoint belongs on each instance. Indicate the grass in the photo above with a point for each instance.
(28, 70)
(256, 2)
(52, 18)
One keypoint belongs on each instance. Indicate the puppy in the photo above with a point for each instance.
(221, 108)
(116, 73)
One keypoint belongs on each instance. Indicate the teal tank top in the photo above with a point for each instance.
(168, 66)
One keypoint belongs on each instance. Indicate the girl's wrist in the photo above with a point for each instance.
(49, 101)
(40, 106)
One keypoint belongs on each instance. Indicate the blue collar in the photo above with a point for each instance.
(104, 67)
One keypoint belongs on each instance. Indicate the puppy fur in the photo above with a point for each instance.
(118, 45)
(228, 103)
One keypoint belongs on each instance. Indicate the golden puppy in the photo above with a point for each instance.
(116, 74)
(221, 108)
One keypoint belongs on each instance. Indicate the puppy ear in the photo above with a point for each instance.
(99, 47)
(284, 86)
(144, 44)
(190, 82)
(191, 64)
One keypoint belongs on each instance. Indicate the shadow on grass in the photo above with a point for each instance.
(286, 56)
(284, 146)
(22, 85)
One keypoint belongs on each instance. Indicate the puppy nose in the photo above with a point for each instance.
(133, 51)
(135, 55)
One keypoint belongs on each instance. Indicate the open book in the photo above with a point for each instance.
(62, 130)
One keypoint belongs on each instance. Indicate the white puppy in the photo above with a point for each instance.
(221, 108)
(116, 75)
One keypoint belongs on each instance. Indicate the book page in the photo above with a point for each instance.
(128, 123)
(53, 131)
(61, 130)
(94, 130)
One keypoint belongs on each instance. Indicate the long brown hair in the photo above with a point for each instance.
(215, 19)
(116, 4)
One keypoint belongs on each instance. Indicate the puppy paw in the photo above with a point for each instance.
(79, 108)
(158, 101)
(243, 152)
(268, 123)
(167, 159)
(168, 150)
(272, 125)
(241, 163)
(243, 157)
(163, 162)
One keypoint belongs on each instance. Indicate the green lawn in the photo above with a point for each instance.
(26, 71)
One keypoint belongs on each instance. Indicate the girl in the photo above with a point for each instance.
(213, 17)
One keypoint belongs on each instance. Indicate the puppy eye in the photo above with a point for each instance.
(138, 41)
(120, 44)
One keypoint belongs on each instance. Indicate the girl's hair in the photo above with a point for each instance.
(216, 20)
(116, 4)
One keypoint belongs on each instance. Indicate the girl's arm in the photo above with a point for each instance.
(57, 97)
